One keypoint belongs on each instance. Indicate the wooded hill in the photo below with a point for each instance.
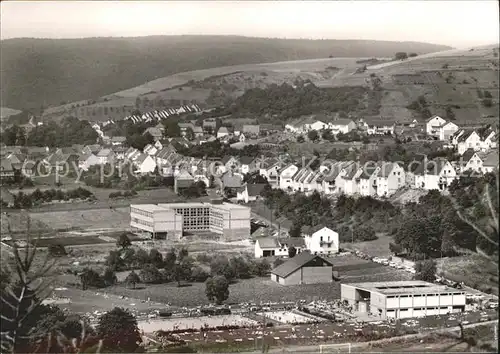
(46, 72)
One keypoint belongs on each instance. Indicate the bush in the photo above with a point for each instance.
(199, 275)
(364, 233)
(487, 102)
(57, 250)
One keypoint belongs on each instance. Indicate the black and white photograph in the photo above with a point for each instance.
(249, 176)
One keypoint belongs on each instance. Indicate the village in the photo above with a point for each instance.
(315, 261)
(166, 191)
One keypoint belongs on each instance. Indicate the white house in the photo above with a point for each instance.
(249, 192)
(322, 240)
(377, 127)
(330, 174)
(465, 140)
(368, 180)
(440, 128)
(488, 139)
(222, 132)
(433, 125)
(272, 246)
(317, 125)
(343, 126)
(340, 180)
(470, 161)
(87, 160)
(285, 176)
(269, 168)
(267, 247)
(106, 156)
(351, 179)
(294, 128)
(390, 178)
(435, 174)
(144, 164)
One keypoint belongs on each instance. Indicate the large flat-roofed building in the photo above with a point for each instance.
(172, 220)
(403, 299)
(160, 222)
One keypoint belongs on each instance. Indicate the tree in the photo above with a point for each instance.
(300, 139)
(262, 268)
(313, 135)
(170, 259)
(364, 233)
(141, 257)
(241, 267)
(447, 244)
(149, 274)
(156, 258)
(426, 270)
(182, 271)
(292, 251)
(172, 129)
(90, 278)
(400, 56)
(296, 229)
(21, 301)
(115, 260)
(254, 178)
(395, 248)
(217, 289)
(132, 279)
(109, 277)
(119, 330)
(189, 134)
(183, 253)
(412, 55)
(221, 266)
(123, 241)
(327, 135)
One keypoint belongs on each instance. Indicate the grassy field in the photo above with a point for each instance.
(85, 219)
(261, 289)
(375, 248)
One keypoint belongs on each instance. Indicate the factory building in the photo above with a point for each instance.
(174, 219)
(402, 299)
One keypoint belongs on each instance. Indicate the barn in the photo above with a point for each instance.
(304, 268)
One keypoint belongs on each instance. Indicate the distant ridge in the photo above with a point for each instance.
(46, 72)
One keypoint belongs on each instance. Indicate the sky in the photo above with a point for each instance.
(458, 24)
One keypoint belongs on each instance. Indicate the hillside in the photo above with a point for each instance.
(450, 83)
(46, 72)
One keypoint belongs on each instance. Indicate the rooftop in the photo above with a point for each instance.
(404, 287)
(225, 206)
(292, 264)
(147, 207)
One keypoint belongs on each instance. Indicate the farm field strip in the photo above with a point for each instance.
(154, 325)
(286, 317)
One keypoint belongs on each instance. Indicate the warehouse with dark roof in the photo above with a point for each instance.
(304, 268)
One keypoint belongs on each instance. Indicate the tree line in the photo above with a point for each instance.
(37, 197)
(69, 132)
